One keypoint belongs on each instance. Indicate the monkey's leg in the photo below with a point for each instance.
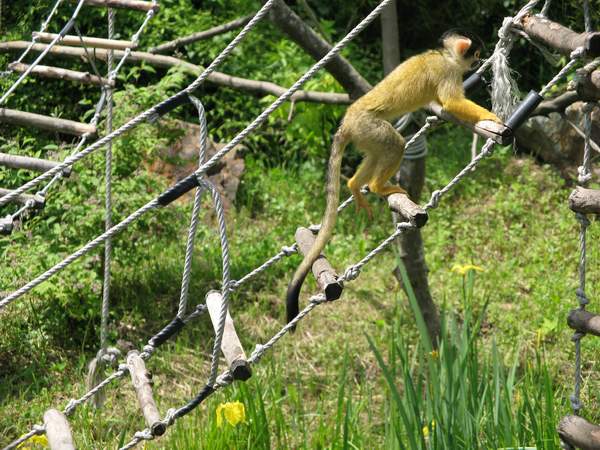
(389, 145)
(361, 177)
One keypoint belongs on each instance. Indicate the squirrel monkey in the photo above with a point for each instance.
(432, 76)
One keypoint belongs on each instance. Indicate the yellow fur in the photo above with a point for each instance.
(435, 75)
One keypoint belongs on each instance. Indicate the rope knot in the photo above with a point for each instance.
(39, 429)
(225, 379)
(123, 368)
(577, 336)
(70, 407)
(435, 199)
(575, 404)
(289, 250)
(351, 273)
(585, 176)
(145, 435)
(582, 219)
(318, 299)
(259, 350)
(315, 228)
(577, 53)
(148, 349)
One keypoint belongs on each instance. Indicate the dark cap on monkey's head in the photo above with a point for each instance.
(476, 42)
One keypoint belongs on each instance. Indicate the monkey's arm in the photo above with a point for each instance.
(466, 110)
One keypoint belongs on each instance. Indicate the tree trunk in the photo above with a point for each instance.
(412, 178)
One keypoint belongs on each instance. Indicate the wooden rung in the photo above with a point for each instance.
(584, 321)
(142, 383)
(39, 200)
(27, 119)
(128, 4)
(487, 129)
(86, 41)
(25, 162)
(63, 74)
(579, 433)
(321, 269)
(404, 206)
(230, 346)
(585, 201)
(58, 431)
(6, 225)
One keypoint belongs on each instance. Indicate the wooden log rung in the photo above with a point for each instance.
(579, 433)
(28, 163)
(28, 119)
(584, 321)
(63, 74)
(404, 206)
(487, 129)
(6, 225)
(37, 199)
(585, 201)
(322, 270)
(142, 383)
(231, 346)
(86, 41)
(58, 431)
(137, 5)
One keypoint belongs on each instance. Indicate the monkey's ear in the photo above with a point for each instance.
(462, 45)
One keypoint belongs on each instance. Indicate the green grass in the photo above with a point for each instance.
(328, 386)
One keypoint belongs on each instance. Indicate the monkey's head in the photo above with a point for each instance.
(464, 48)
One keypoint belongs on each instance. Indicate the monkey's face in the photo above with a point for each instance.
(463, 50)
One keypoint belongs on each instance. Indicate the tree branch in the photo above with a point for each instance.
(317, 47)
(206, 34)
(218, 78)
(556, 104)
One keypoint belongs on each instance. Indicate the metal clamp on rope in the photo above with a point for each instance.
(169, 105)
(167, 332)
(472, 81)
(183, 186)
(524, 109)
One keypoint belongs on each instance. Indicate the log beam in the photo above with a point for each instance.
(37, 199)
(559, 37)
(321, 269)
(588, 85)
(55, 124)
(137, 5)
(584, 321)
(404, 206)
(85, 41)
(58, 431)
(585, 201)
(27, 163)
(142, 381)
(579, 433)
(230, 345)
(63, 74)
(487, 129)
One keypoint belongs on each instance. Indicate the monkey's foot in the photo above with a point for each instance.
(384, 191)
(362, 203)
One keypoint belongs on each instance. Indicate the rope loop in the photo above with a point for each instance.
(39, 429)
(289, 250)
(577, 336)
(583, 299)
(582, 219)
(351, 273)
(145, 435)
(435, 199)
(575, 404)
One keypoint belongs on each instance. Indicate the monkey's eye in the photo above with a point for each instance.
(476, 54)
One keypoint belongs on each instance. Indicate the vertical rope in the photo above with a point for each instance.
(587, 17)
(545, 8)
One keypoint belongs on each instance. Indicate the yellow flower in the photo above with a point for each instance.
(234, 413)
(34, 442)
(465, 268)
(434, 354)
(426, 429)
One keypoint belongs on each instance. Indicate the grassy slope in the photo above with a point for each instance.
(510, 218)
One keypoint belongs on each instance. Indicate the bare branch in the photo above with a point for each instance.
(317, 47)
(219, 78)
(557, 104)
(201, 35)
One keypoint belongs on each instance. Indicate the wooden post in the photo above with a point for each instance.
(588, 86)
(559, 37)
(24, 198)
(63, 74)
(86, 41)
(141, 380)
(230, 345)
(404, 206)
(25, 162)
(585, 201)
(584, 321)
(58, 431)
(321, 269)
(127, 4)
(579, 433)
(27, 119)
(500, 133)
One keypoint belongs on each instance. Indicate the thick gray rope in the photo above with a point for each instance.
(195, 219)
(141, 118)
(587, 17)
(545, 8)
(42, 55)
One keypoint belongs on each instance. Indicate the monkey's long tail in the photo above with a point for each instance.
(340, 141)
